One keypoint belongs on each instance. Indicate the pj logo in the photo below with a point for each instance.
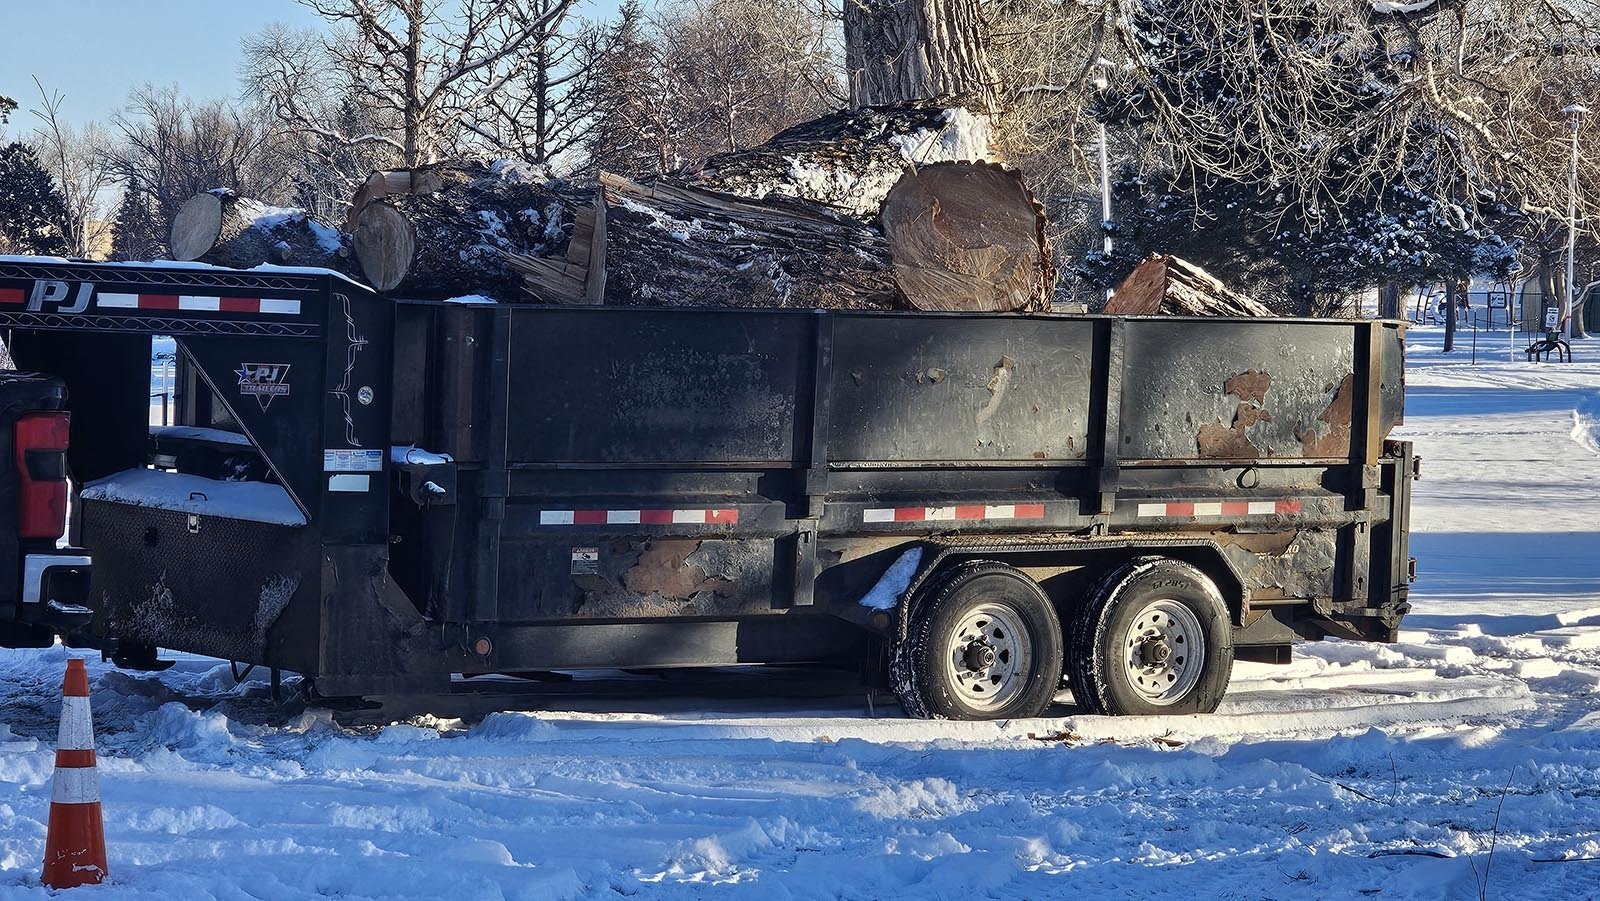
(263, 381)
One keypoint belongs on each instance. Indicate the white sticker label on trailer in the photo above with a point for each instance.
(351, 460)
(349, 482)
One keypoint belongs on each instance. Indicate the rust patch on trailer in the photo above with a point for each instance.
(1292, 564)
(1218, 441)
(1249, 386)
(664, 569)
(1274, 544)
(1329, 436)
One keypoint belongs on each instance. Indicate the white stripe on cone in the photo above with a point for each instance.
(75, 785)
(77, 729)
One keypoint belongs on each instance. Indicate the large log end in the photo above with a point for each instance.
(196, 227)
(967, 237)
(385, 243)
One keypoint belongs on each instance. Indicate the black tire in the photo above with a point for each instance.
(984, 599)
(1106, 656)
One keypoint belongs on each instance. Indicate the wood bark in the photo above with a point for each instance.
(917, 50)
(224, 229)
(955, 236)
(1168, 285)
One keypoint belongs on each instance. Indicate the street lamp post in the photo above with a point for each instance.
(1577, 112)
(1100, 84)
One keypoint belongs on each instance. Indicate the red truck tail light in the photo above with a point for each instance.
(40, 441)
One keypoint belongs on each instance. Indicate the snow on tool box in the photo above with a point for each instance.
(419, 489)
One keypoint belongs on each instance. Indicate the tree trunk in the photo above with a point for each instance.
(224, 229)
(1389, 302)
(465, 219)
(917, 50)
(1454, 291)
(850, 160)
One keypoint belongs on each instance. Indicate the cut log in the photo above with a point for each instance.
(223, 229)
(196, 226)
(465, 220)
(1171, 286)
(678, 245)
(968, 237)
(385, 245)
(956, 236)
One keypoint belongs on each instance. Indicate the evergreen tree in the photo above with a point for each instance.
(136, 232)
(30, 205)
(627, 134)
(7, 106)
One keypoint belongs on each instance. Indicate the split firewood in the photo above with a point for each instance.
(1171, 286)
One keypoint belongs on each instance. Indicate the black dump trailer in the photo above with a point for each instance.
(972, 509)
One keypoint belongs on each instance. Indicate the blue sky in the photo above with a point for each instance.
(93, 51)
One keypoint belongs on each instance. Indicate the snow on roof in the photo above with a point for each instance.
(257, 501)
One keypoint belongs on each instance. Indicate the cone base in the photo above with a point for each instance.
(75, 849)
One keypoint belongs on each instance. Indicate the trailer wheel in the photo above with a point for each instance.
(1154, 638)
(985, 643)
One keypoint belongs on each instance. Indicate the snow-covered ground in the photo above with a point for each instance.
(1358, 771)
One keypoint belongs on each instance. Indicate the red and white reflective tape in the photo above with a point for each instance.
(1220, 508)
(197, 304)
(961, 513)
(637, 517)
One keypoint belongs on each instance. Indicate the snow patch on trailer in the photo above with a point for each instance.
(256, 501)
(270, 604)
(894, 582)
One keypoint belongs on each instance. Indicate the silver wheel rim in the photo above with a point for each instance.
(988, 656)
(1163, 652)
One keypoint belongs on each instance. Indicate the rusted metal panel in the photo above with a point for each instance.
(1200, 390)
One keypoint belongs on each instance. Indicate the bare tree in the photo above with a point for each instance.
(537, 103)
(172, 148)
(331, 139)
(415, 61)
(739, 71)
(84, 174)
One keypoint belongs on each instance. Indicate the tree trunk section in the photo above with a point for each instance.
(224, 229)
(967, 237)
(683, 246)
(917, 50)
(850, 159)
(465, 219)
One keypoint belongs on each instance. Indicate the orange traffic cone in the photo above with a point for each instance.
(75, 848)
